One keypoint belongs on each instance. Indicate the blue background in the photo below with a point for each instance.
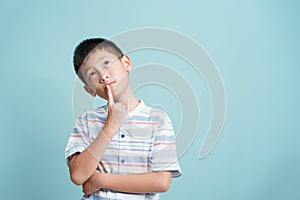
(255, 45)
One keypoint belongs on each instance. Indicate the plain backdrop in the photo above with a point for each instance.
(255, 45)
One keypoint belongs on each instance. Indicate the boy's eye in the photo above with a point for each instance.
(106, 63)
(92, 75)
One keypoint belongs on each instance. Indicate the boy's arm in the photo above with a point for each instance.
(147, 182)
(83, 165)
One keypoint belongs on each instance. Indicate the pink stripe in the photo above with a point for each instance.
(163, 143)
(76, 135)
(140, 122)
(80, 136)
(96, 120)
(103, 122)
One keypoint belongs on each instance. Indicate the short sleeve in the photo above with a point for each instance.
(79, 139)
(164, 156)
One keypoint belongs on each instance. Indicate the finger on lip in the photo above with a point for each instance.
(109, 84)
(108, 88)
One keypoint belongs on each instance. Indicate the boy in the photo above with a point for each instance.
(123, 150)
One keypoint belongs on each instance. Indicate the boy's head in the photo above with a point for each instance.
(99, 62)
(85, 47)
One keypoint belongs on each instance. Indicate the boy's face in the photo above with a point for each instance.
(102, 68)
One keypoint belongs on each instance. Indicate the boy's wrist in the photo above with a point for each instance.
(110, 127)
(100, 182)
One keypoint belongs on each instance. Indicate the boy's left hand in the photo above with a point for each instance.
(92, 184)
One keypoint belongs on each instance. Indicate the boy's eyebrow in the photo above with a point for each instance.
(102, 57)
(87, 69)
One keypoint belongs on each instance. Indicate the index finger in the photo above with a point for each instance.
(109, 96)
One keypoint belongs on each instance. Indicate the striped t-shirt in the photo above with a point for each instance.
(145, 142)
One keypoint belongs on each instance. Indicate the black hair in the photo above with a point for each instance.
(88, 45)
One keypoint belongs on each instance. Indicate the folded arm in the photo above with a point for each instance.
(147, 182)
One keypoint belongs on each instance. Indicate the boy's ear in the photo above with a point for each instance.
(89, 90)
(126, 62)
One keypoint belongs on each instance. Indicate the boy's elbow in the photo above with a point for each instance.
(164, 187)
(75, 175)
(165, 182)
(76, 179)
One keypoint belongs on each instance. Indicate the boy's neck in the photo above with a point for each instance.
(132, 103)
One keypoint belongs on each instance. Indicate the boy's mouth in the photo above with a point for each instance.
(109, 84)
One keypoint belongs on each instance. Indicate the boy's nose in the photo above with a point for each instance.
(104, 78)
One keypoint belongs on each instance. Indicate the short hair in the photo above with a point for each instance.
(88, 45)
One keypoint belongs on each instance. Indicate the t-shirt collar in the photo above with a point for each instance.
(138, 108)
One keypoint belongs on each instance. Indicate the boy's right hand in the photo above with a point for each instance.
(116, 111)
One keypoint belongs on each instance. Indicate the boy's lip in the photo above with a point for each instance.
(110, 83)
